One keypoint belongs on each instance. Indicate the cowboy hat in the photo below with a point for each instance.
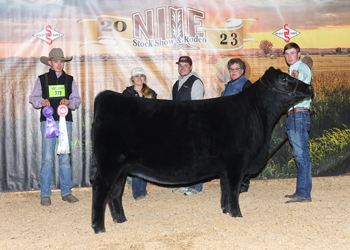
(55, 54)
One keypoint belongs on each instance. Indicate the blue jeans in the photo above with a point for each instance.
(138, 187)
(47, 162)
(198, 187)
(299, 141)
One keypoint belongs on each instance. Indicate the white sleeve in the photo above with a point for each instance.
(197, 92)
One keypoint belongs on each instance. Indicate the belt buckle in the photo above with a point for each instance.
(293, 111)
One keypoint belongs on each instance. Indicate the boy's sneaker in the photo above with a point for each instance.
(128, 181)
(191, 191)
(180, 190)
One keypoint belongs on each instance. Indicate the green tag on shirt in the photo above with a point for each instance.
(57, 91)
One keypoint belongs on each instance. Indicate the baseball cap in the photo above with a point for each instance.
(185, 59)
(137, 71)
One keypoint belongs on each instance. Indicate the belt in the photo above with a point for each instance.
(293, 111)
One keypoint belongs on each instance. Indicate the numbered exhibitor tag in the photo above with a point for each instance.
(57, 91)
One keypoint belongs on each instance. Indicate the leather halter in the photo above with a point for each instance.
(291, 94)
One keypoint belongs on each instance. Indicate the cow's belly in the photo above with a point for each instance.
(169, 175)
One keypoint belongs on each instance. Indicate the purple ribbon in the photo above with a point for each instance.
(51, 126)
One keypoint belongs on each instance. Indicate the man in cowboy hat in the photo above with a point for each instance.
(53, 89)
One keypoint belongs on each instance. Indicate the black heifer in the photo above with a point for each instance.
(182, 142)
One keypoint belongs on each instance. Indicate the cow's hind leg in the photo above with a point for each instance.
(115, 200)
(101, 189)
(230, 188)
(99, 196)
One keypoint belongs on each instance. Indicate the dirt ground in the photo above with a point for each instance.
(172, 221)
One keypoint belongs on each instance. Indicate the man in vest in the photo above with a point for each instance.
(188, 87)
(51, 90)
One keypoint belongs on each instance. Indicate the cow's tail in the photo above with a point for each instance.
(93, 160)
(93, 169)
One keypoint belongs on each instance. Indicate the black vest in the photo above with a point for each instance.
(184, 92)
(50, 78)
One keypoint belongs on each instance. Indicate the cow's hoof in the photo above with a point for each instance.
(99, 230)
(236, 214)
(232, 214)
(225, 211)
(119, 220)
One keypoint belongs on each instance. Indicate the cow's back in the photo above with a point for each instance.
(158, 132)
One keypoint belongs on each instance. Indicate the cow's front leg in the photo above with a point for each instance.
(115, 200)
(224, 194)
(230, 188)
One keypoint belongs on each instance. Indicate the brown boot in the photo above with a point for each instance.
(297, 199)
(290, 195)
(70, 198)
(45, 201)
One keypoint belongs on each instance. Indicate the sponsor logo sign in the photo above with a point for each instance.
(48, 35)
(286, 33)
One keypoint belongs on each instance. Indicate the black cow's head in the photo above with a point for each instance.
(287, 85)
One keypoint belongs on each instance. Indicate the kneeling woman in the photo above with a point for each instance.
(139, 88)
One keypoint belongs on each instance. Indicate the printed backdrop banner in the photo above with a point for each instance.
(107, 39)
(136, 36)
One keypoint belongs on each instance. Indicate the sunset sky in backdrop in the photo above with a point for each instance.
(321, 23)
